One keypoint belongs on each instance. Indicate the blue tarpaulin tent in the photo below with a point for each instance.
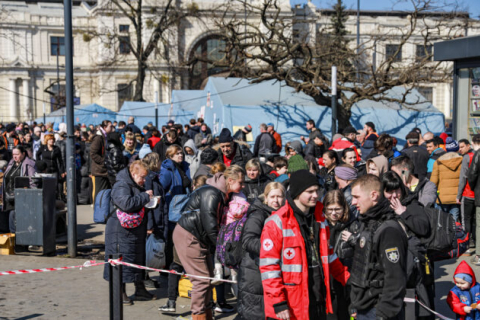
(235, 102)
(88, 114)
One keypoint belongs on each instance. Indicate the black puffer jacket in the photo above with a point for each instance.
(157, 217)
(250, 290)
(202, 215)
(344, 249)
(114, 160)
(414, 217)
(162, 146)
(329, 178)
(53, 159)
(254, 188)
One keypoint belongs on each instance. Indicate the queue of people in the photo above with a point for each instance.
(326, 229)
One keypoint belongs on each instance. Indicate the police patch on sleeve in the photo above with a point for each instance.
(392, 254)
(267, 244)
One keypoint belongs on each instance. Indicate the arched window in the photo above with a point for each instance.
(211, 48)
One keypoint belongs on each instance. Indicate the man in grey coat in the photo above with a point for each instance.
(265, 143)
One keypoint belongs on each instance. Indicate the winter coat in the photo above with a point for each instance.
(281, 255)
(114, 160)
(464, 189)
(152, 141)
(250, 290)
(204, 211)
(5, 140)
(446, 175)
(368, 145)
(329, 178)
(353, 211)
(199, 137)
(437, 153)
(171, 179)
(27, 169)
(62, 144)
(458, 299)
(203, 170)
(343, 143)
(97, 155)
(128, 197)
(311, 149)
(53, 159)
(472, 176)
(85, 170)
(278, 141)
(419, 157)
(426, 192)
(391, 269)
(254, 188)
(129, 154)
(264, 144)
(135, 129)
(344, 249)
(162, 146)
(193, 161)
(157, 217)
(414, 216)
(242, 154)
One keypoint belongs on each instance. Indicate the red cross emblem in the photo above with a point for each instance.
(267, 244)
(289, 253)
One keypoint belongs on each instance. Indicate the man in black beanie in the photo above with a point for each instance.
(295, 257)
(232, 152)
(207, 160)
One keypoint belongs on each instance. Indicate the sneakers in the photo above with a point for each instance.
(150, 283)
(475, 260)
(223, 308)
(170, 306)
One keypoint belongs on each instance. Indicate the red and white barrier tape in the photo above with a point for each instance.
(410, 300)
(91, 263)
(118, 261)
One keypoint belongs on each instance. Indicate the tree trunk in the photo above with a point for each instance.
(141, 67)
(344, 112)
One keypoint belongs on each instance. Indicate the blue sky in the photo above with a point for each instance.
(472, 6)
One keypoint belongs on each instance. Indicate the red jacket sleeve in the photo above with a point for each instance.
(338, 270)
(455, 304)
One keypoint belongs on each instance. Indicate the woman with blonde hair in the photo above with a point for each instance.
(131, 146)
(250, 291)
(126, 229)
(255, 181)
(195, 236)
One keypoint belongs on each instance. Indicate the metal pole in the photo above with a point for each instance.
(156, 109)
(334, 100)
(70, 165)
(44, 117)
(358, 34)
(411, 307)
(58, 78)
(116, 289)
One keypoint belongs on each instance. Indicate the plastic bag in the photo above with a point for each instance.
(155, 252)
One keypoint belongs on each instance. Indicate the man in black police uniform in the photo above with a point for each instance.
(378, 273)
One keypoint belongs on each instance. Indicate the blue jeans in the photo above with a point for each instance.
(453, 209)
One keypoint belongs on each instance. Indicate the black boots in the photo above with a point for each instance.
(141, 293)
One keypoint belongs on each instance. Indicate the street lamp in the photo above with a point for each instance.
(334, 100)
(358, 34)
(156, 109)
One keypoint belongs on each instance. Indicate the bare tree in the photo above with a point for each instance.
(278, 49)
(155, 25)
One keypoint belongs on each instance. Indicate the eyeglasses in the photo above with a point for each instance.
(331, 210)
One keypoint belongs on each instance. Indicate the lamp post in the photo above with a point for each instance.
(44, 117)
(334, 100)
(156, 109)
(71, 192)
(358, 35)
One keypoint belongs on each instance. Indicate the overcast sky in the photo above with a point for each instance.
(472, 6)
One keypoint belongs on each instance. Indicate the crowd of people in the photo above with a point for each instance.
(329, 223)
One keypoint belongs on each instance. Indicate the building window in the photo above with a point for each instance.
(124, 28)
(427, 92)
(391, 51)
(212, 49)
(124, 93)
(424, 52)
(124, 47)
(57, 46)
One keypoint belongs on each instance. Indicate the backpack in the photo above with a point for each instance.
(461, 245)
(442, 237)
(175, 209)
(103, 206)
(229, 243)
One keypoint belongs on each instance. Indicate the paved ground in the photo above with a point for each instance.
(83, 294)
